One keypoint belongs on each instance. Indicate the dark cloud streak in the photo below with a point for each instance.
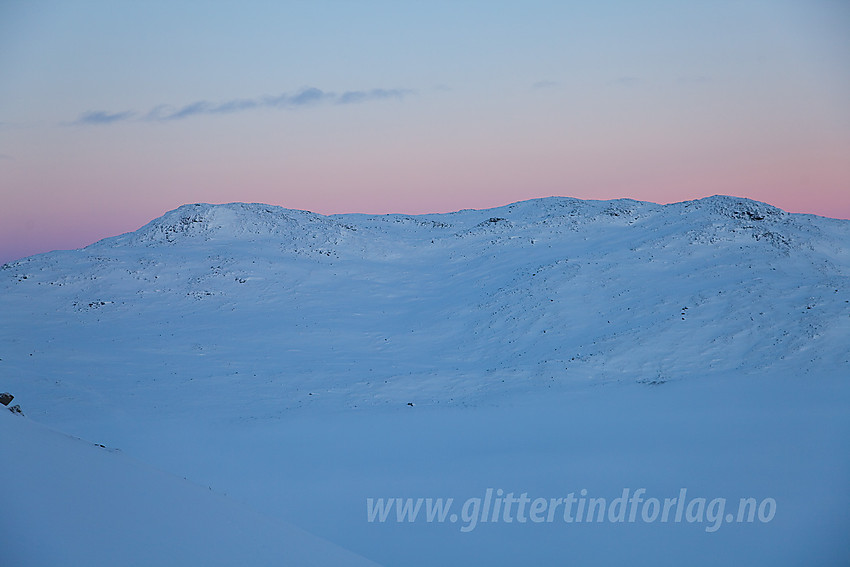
(101, 117)
(352, 97)
(305, 97)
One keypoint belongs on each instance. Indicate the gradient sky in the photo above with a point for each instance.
(112, 113)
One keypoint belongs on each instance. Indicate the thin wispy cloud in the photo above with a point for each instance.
(101, 117)
(305, 97)
(6, 157)
(351, 97)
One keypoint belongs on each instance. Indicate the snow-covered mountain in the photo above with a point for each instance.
(364, 310)
(250, 319)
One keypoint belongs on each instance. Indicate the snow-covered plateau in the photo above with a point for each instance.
(240, 384)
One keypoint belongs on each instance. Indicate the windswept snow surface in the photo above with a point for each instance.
(301, 363)
(68, 502)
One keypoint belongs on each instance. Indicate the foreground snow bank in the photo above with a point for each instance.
(69, 502)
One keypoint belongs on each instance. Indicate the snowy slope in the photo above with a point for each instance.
(279, 333)
(68, 502)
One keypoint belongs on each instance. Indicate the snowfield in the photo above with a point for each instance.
(249, 369)
(69, 502)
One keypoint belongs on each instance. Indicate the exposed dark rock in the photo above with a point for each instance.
(5, 398)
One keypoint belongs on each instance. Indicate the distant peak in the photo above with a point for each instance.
(228, 221)
(735, 207)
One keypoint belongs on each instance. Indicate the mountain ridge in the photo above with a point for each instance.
(445, 308)
(274, 219)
